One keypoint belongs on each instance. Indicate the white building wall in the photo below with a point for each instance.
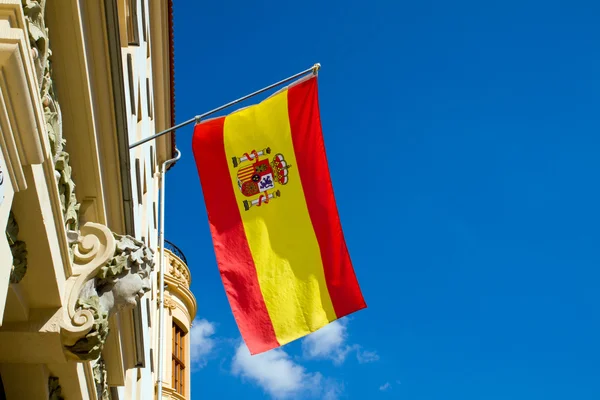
(80, 63)
(137, 72)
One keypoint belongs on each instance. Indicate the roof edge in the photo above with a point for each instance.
(172, 78)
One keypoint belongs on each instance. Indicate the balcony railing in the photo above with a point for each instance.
(175, 250)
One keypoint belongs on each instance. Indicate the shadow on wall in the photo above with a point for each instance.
(2, 394)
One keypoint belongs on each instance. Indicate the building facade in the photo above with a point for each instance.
(180, 307)
(80, 81)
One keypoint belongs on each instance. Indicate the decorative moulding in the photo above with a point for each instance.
(18, 249)
(51, 116)
(178, 289)
(178, 269)
(12, 13)
(21, 122)
(169, 303)
(54, 389)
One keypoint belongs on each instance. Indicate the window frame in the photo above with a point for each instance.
(178, 359)
(133, 34)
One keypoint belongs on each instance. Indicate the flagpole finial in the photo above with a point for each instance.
(316, 68)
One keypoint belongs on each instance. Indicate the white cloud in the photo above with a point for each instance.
(332, 390)
(329, 342)
(278, 375)
(201, 342)
(366, 356)
(385, 387)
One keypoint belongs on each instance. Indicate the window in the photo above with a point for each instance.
(149, 99)
(139, 104)
(178, 359)
(138, 331)
(149, 313)
(144, 19)
(154, 210)
(132, 23)
(130, 76)
(138, 175)
(152, 161)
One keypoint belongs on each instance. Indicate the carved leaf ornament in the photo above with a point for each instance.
(104, 257)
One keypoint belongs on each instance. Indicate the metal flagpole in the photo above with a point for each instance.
(314, 69)
(198, 118)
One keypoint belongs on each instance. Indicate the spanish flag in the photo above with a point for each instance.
(273, 218)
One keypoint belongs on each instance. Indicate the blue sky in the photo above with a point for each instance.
(473, 220)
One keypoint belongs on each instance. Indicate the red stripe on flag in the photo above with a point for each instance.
(231, 246)
(305, 123)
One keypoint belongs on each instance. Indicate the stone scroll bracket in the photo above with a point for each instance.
(102, 260)
(95, 247)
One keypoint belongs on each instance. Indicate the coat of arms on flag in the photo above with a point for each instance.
(284, 263)
(255, 180)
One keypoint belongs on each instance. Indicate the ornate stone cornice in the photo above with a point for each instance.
(102, 262)
(22, 136)
(41, 53)
(177, 289)
(178, 269)
(173, 394)
(178, 280)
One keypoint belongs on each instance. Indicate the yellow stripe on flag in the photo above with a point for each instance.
(280, 234)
